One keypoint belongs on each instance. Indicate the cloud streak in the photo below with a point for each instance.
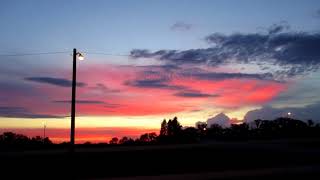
(54, 81)
(81, 102)
(104, 89)
(153, 83)
(278, 28)
(21, 112)
(194, 94)
(181, 26)
(223, 76)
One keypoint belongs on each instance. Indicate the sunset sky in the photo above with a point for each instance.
(146, 61)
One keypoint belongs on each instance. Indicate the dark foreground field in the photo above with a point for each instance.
(215, 160)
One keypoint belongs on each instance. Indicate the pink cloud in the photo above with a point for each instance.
(123, 99)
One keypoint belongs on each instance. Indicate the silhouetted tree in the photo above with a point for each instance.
(126, 141)
(169, 128)
(123, 140)
(190, 135)
(310, 123)
(148, 137)
(164, 128)
(130, 141)
(201, 125)
(239, 131)
(114, 140)
(174, 127)
(257, 123)
(215, 131)
(12, 140)
(37, 140)
(202, 129)
(152, 136)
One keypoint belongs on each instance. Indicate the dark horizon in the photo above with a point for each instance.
(172, 132)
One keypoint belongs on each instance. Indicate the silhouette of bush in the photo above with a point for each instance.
(126, 141)
(114, 140)
(10, 140)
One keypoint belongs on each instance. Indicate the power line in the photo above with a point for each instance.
(106, 54)
(34, 54)
(62, 52)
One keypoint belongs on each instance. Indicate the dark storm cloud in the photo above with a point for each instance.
(192, 56)
(54, 81)
(294, 52)
(181, 26)
(166, 67)
(277, 28)
(21, 112)
(222, 76)
(81, 102)
(194, 94)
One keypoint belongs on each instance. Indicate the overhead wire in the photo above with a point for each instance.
(62, 52)
(34, 54)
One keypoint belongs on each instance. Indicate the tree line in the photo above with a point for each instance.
(10, 140)
(172, 132)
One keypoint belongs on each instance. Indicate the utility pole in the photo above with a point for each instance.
(44, 130)
(73, 101)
